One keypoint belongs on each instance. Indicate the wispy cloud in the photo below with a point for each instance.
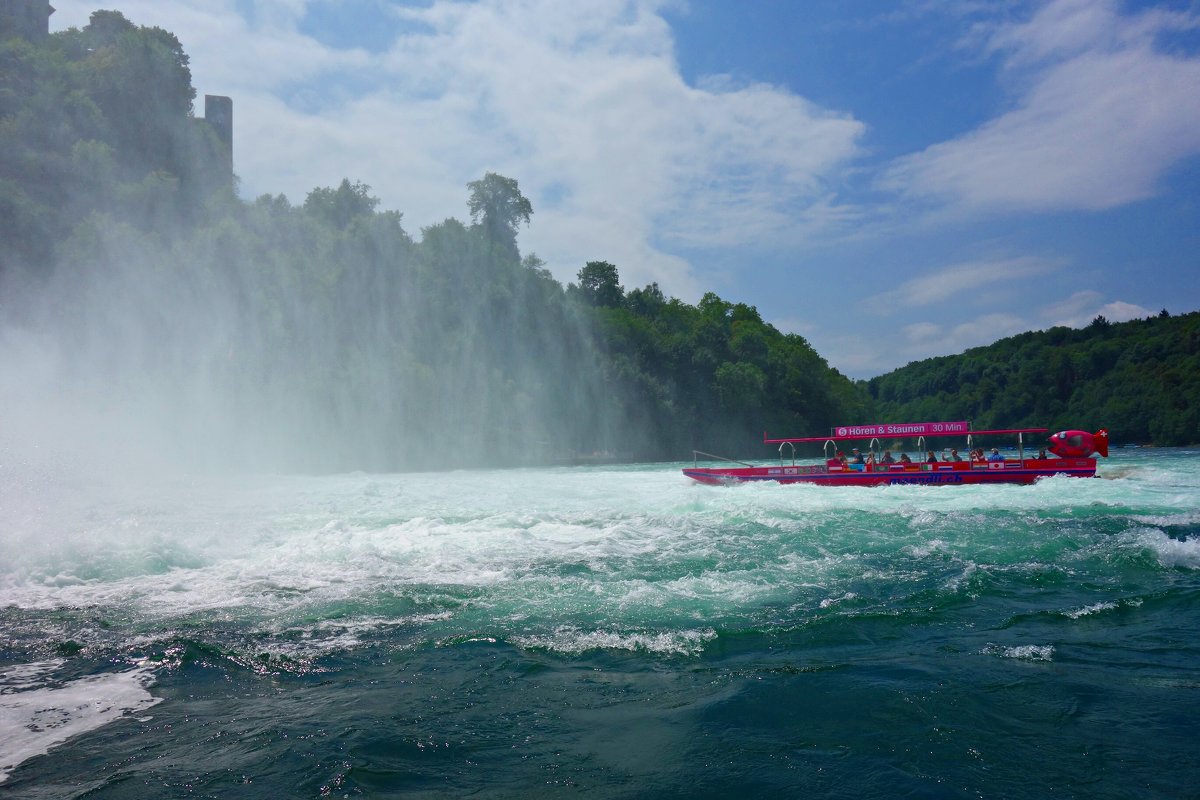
(932, 288)
(1101, 113)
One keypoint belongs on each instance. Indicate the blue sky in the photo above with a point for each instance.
(890, 180)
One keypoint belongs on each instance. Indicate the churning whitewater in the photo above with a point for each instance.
(621, 631)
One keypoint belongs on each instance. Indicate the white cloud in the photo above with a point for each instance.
(985, 330)
(1078, 304)
(922, 332)
(1102, 115)
(1120, 311)
(938, 287)
(1082, 307)
(926, 339)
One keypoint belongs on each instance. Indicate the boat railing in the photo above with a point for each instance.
(697, 453)
(788, 444)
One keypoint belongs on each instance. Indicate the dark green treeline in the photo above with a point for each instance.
(1141, 379)
(145, 297)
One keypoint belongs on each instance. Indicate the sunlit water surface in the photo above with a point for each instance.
(614, 632)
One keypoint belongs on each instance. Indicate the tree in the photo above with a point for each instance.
(140, 80)
(646, 302)
(106, 27)
(340, 206)
(496, 203)
(600, 284)
(739, 386)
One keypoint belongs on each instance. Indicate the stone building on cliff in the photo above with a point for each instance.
(29, 19)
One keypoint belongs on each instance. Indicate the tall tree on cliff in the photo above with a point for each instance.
(498, 207)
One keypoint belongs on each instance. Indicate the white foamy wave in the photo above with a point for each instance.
(1183, 518)
(1095, 608)
(332, 636)
(926, 549)
(574, 641)
(830, 601)
(957, 582)
(1170, 552)
(730, 588)
(1025, 652)
(38, 714)
(26, 676)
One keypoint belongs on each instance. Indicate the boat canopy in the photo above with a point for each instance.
(911, 430)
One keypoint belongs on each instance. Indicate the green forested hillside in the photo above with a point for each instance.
(1140, 379)
(144, 306)
(717, 363)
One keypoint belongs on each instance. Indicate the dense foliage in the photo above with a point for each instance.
(1141, 379)
(96, 119)
(139, 295)
(715, 365)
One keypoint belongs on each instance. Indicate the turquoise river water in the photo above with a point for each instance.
(603, 632)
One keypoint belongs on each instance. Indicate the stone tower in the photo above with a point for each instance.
(218, 112)
(218, 115)
(29, 19)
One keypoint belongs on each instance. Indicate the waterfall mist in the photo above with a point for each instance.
(151, 318)
(275, 338)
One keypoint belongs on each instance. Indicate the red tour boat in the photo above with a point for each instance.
(1071, 453)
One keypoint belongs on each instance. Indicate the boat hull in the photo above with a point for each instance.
(942, 474)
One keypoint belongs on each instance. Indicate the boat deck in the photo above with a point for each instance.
(957, 472)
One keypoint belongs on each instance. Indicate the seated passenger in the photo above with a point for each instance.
(904, 459)
(995, 456)
(930, 458)
(954, 456)
(1042, 455)
(856, 457)
(887, 458)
